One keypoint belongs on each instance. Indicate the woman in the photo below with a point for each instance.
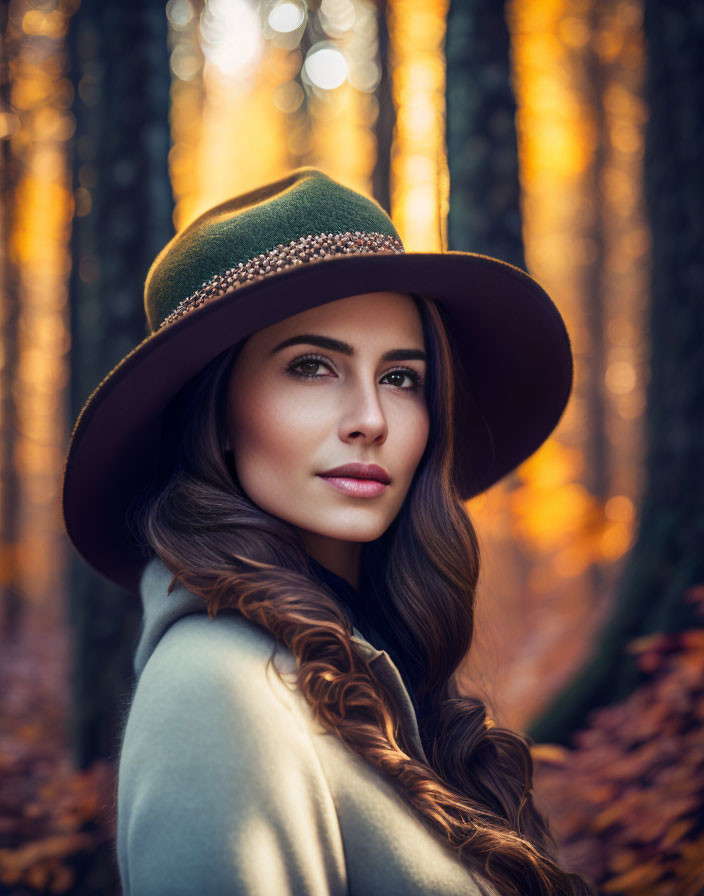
(279, 470)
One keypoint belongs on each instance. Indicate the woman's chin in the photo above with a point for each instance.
(345, 529)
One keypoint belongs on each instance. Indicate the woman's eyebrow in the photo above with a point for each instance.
(336, 345)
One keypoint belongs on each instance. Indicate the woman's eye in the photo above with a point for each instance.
(307, 368)
(400, 375)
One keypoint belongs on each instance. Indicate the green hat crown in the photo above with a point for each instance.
(305, 216)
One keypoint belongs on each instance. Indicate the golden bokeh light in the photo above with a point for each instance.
(419, 203)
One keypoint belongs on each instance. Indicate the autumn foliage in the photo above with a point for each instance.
(627, 801)
(55, 822)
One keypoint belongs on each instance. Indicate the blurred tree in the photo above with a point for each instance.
(482, 152)
(667, 557)
(384, 124)
(10, 595)
(123, 218)
(595, 82)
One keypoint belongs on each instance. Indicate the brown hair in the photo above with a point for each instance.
(419, 581)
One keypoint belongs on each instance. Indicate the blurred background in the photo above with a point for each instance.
(564, 136)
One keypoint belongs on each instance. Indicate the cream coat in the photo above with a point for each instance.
(227, 785)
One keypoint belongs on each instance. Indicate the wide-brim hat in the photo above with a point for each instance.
(283, 248)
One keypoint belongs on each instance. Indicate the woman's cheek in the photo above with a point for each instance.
(275, 438)
(415, 438)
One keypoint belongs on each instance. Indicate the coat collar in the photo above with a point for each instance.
(161, 610)
(387, 672)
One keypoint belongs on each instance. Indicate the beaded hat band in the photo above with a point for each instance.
(262, 257)
(305, 250)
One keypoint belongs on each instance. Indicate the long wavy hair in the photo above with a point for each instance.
(418, 587)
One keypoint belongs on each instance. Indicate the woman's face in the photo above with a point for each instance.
(338, 384)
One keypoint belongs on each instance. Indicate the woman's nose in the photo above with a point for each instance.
(363, 416)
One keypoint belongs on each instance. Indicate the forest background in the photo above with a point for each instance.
(564, 136)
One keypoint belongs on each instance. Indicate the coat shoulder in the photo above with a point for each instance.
(212, 734)
(226, 651)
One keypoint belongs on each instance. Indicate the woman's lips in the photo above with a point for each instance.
(357, 488)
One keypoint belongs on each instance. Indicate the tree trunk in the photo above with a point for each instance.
(595, 77)
(482, 150)
(124, 206)
(11, 602)
(384, 125)
(667, 556)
